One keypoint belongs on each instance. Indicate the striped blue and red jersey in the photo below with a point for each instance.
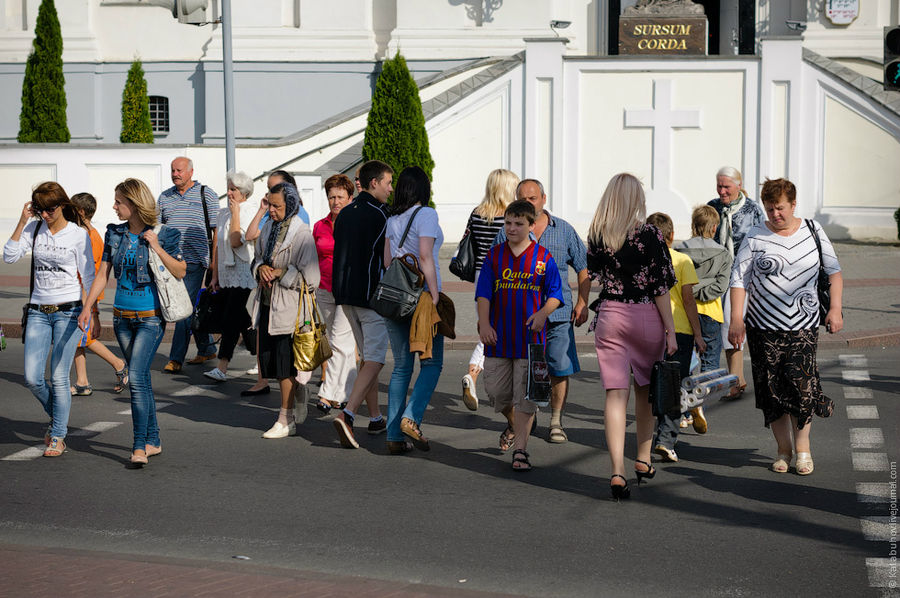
(517, 287)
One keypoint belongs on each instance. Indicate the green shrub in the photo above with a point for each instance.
(43, 115)
(136, 125)
(395, 131)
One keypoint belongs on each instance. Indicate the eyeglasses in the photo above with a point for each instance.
(48, 211)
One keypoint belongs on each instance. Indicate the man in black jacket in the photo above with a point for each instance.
(358, 264)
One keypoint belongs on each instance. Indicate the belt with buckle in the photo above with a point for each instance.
(130, 314)
(53, 308)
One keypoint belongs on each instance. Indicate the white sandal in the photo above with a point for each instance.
(804, 464)
(782, 463)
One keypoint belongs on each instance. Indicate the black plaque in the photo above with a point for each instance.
(662, 35)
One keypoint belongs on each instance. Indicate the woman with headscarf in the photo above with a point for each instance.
(737, 215)
(285, 258)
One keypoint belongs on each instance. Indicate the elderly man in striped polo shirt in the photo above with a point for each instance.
(181, 207)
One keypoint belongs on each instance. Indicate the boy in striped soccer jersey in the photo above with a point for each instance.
(518, 287)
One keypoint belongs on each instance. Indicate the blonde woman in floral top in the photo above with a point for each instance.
(633, 326)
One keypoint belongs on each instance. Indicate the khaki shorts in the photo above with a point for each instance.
(369, 331)
(505, 381)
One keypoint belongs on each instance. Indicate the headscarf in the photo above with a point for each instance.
(726, 235)
(291, 207)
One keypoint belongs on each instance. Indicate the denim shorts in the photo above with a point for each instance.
(562, 356)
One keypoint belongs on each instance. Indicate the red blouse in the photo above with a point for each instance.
(323, 234)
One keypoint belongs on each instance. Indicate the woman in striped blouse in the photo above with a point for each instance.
(775, 270)
(484, 223)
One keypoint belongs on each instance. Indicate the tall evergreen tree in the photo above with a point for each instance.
(43, 115)
(395, 130)
(136, 125)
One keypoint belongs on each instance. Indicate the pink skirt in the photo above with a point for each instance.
(629, 337)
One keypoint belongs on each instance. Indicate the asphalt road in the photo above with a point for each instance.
(718, 523)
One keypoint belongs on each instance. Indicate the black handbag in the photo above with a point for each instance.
(209, 313)
(823, 284)
(31, 281)
(249, 336)
(397, 293)
(462, 264)
(665, 388)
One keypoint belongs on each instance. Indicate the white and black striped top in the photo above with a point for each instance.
(779, 274)
(483, 233)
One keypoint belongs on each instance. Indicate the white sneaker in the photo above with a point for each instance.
(216, 374)
(280, 430)
(254, 370)
(468, 393)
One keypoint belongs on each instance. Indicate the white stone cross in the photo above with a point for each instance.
(662, 119)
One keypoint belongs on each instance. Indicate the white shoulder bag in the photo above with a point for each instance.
(174, 300)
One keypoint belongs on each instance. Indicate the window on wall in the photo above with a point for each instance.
(159, 114)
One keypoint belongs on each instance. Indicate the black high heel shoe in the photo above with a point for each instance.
(651, 471)
(619, 492)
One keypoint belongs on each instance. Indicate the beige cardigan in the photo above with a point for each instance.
(297, 256)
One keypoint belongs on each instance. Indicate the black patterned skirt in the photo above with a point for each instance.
(785, 374)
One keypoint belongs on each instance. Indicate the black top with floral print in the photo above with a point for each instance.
(636, 273)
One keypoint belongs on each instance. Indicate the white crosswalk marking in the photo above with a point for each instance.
(882, 573)
(94, 428)
(853, 361)
(873, 492)
(878, 529)
(26, 454)
(857, 392)
(870, 461)
(159, 405)
(855, 375)
(866, 438)
(862, 412)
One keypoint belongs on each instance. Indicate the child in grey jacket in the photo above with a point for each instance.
(713, 265)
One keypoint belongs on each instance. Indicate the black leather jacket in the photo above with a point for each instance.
(358, 250)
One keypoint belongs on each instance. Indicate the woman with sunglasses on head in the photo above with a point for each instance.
(137, 320)
(61, 253)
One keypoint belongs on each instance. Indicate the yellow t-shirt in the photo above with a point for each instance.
(713, 309)
(684, 274)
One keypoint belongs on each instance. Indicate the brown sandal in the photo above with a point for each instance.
(507, 438)
(121, 380)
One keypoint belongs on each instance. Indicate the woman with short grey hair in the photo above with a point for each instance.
(737, 215)
(231, 259)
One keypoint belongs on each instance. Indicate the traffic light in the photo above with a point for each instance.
(192, 12)
(892, 58)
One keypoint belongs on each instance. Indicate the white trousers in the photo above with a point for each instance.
(341, 369)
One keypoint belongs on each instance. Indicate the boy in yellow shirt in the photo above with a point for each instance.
(687, 334)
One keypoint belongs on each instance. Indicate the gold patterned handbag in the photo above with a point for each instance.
(310, 343)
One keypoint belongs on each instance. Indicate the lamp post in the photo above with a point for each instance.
(228, 76)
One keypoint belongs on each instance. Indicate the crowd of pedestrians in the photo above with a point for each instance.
(747, 274)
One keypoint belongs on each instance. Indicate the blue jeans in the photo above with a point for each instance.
(712, 336)
(181, 338)
(667, 428)
(56, 335)
(430, 371)
(139, 339)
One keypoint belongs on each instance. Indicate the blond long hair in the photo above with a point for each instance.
(137, 192)
(622, 209)
(499, 191)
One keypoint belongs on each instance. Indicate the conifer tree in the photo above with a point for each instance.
(395, 130)
(43, 115)
(136, 125)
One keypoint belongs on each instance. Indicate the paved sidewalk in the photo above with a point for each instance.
(75, 573)
(871, 300)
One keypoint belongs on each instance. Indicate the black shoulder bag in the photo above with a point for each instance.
(398, 291)
(209, 237)
(462, 264)
(31, 282)
(823, 284)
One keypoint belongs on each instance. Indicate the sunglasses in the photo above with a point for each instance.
(48, 211)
